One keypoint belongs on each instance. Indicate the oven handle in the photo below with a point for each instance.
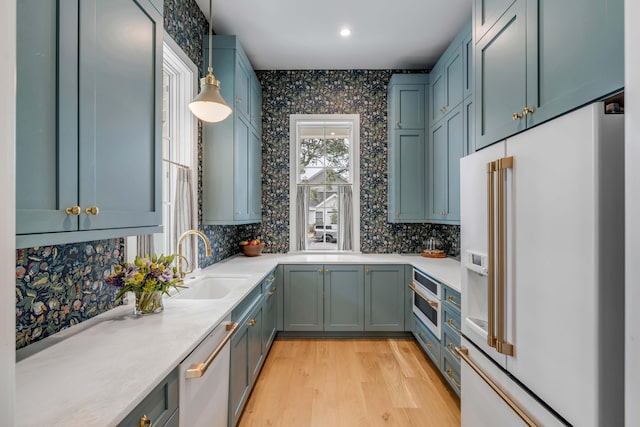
(198, 370)
(431, 303)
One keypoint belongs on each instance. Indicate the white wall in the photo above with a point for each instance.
(7, 213)
(632, 157)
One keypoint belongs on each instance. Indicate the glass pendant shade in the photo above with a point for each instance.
(209, 106)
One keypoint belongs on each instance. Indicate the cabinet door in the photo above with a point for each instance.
(571, 65)
(270, 317)
(256, 348)
(438, 169)
(243, 88)
(120, 113)
(407, 176)
(46, 116)
(254, 176)
(303, 302)
(455, 151)
(256, 104)
(453, 79)
(239, 374)
(159, 406)
(469, 134)
(344, 298)
(384, 298)
(438, 97)
(467, 66)
(408, 106)
(500, 78)
(486, 13)
(241, 172)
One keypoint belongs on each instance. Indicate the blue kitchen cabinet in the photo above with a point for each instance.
(407, 124)
(451, 337)
(532, 66)
(486, 13)
(88, 142)
(446, 147)
(256, 347)
(303, 307)
(384, 298)
(232, 152)
(447, 82)
(343, 298)
(160, 406)
(429, 343)
(467, 63)
(469, 130)
(270, 315)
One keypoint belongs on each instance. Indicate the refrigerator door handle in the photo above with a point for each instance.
(464, 355)
(491, 272)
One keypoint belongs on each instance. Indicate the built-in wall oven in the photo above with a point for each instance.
(426, 301)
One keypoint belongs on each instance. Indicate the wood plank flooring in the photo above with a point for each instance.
(350, 383)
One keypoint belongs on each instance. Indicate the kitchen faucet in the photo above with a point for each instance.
(207, 246)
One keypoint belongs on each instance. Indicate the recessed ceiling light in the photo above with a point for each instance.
(345, 32)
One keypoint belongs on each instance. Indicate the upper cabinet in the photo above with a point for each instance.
(232, 153)
(532, 66)
(88, 120)
(407, 126)
(447, 82)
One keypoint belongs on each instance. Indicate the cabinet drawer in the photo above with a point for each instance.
(269, 281)
(247, 304)
(451, 298)
(427, 340)
(159, 405)
(451, 372)
(450, 340)
(451, 318)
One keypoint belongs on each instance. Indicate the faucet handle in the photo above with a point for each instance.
(181, 272)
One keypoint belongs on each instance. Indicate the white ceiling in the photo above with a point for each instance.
(304, 34)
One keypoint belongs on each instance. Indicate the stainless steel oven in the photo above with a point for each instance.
(426, 301)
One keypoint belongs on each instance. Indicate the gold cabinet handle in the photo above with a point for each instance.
(397, 214)
(450, 322)
(272, 291)
(93, 210)
(452, 351)
(73, 210)
(320, 270)
(252, 322)
(397, 123)
(198, 370)
(526, 111)
(327, 270)
(464, 355)
(433, 304)
(424, 339)
(517, 116)
(453, 380)
(366, 270)
(144, 421)
(453, 301)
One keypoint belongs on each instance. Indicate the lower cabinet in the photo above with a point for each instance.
(257, 316)
(160, 406)
(442, 351)
(344, 298)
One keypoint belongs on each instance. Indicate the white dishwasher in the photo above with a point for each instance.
(204, 380)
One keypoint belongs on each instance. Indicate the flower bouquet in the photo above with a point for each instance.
(148, 278)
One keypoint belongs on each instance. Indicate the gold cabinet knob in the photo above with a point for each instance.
(517, 116)
(397, 123)
(93, 210)
(73, 210)
(252, 322)
(366, 270)
(145, 422)
(526, 111)
(326, 271)
(320, 271)
(397, 214)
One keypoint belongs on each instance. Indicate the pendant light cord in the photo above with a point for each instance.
(210, 35)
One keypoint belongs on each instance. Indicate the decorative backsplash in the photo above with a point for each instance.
(361, 92)
(62, 285)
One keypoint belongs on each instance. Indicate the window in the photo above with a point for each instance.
(179, 155)
(325, 183)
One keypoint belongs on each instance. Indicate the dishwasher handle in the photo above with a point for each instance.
(198, 370)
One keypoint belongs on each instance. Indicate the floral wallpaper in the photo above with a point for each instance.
(361, 92)
(62, 285)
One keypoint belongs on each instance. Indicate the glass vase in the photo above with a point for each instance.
(148, 302)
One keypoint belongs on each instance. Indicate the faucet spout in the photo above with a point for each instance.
(207, 246)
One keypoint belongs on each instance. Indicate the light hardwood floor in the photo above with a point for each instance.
(350, 383)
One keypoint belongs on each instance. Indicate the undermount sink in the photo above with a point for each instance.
(210, 287)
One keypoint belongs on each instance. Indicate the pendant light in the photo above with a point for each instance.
(209, 106)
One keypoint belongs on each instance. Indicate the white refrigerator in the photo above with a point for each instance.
(542, 249)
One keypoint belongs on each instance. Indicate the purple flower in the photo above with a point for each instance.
(132, 270)
(166, 276)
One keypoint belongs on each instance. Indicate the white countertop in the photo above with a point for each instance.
(97, 376)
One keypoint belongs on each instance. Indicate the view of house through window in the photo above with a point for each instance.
(325, 208)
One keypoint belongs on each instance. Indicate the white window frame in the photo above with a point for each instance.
(185, 74)
(294, 121)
